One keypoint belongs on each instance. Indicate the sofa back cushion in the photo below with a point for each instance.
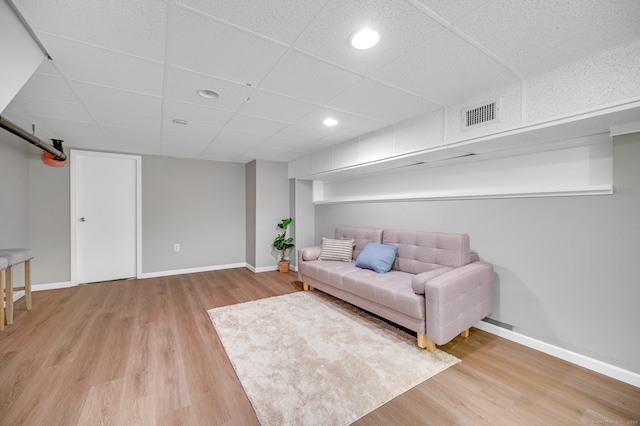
(422, 251)
(362, 236)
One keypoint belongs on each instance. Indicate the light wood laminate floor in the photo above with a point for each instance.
(144, 352)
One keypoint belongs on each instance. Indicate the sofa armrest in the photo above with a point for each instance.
(420, 280)
(458, 299)
(307, 254)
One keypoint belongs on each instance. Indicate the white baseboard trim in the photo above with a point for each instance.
(575, 358)
(191, 270)
(51, 286)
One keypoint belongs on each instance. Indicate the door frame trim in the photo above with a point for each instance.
(74, 154)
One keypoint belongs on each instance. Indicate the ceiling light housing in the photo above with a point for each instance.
(329, 122)
(208, 94)
(366, 38)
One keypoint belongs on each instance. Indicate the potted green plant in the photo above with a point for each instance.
(282, 244)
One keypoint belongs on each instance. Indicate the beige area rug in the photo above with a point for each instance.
(305, 358)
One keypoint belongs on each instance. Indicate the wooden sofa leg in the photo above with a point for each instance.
(425, 343)
(307, 287)
(465, 333)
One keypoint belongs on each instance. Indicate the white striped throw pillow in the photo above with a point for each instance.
(336, 249)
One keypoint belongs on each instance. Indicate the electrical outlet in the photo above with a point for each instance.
(176, 247)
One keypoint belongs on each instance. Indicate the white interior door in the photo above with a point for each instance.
(104, 216)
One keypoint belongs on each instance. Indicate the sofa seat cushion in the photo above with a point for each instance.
(328, 271)
(392, 290)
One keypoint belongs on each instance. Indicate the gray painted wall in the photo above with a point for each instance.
(198, 204)
(49, 223)
(566, 266)
(272, 205)
(14, 203)
(250, 251)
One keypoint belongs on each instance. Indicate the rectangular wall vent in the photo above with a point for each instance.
(480, 115)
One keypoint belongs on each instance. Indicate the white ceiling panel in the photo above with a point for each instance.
(137, 28)
(460, 68)
(348, 124)
(122, 71)
(281, 20)
(534, 37)
(202, 44)
(49, 108)
(301, 76)
(381, 102)
(181, 151)
(247, 123)
(105, 117)
(276, 107)
(230, 137)
(68, 126)
(301, 133)
(195, 113)
(44, 86)
(132, 134)
(183, 85)
(191, 130)
(400, 24)
(185, 141)
(452, 10)
(103, 67)
(118, 100)
(283, 143)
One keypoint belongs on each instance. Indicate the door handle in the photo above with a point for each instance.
(83, 219)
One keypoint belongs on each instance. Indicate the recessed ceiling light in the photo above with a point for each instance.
(365, 39)
(329, 122)
(179, 121)
(209, 94)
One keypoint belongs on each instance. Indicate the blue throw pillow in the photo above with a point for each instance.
(378, 257)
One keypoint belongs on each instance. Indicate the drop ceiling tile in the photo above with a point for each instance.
(276, 107)
(349, 124)
(135, 147)
(301, 133)
(301, 76)
(230, 137)
(453, 10)
(76, 140)
(183, 85)
(445, 69)
(118, 100)
(227, 157)
(102, 67)
(48, 68)
(227, 147)
(283, 143)
(192, 130)
(186, 141)
(48, 87)
(269, 154)
(137, 28)
(281, 20)
(132, 134)
(381, 102)
(105, 117)
(61, 127)
(535, 37)
(45, 108)
(250, 124)
(195, 113)
(401, 26)
(205, 45)
(331, 140)
(181, 151)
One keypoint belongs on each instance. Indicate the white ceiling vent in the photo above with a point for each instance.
(481, 115)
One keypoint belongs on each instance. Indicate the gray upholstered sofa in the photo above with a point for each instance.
(436, 287)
